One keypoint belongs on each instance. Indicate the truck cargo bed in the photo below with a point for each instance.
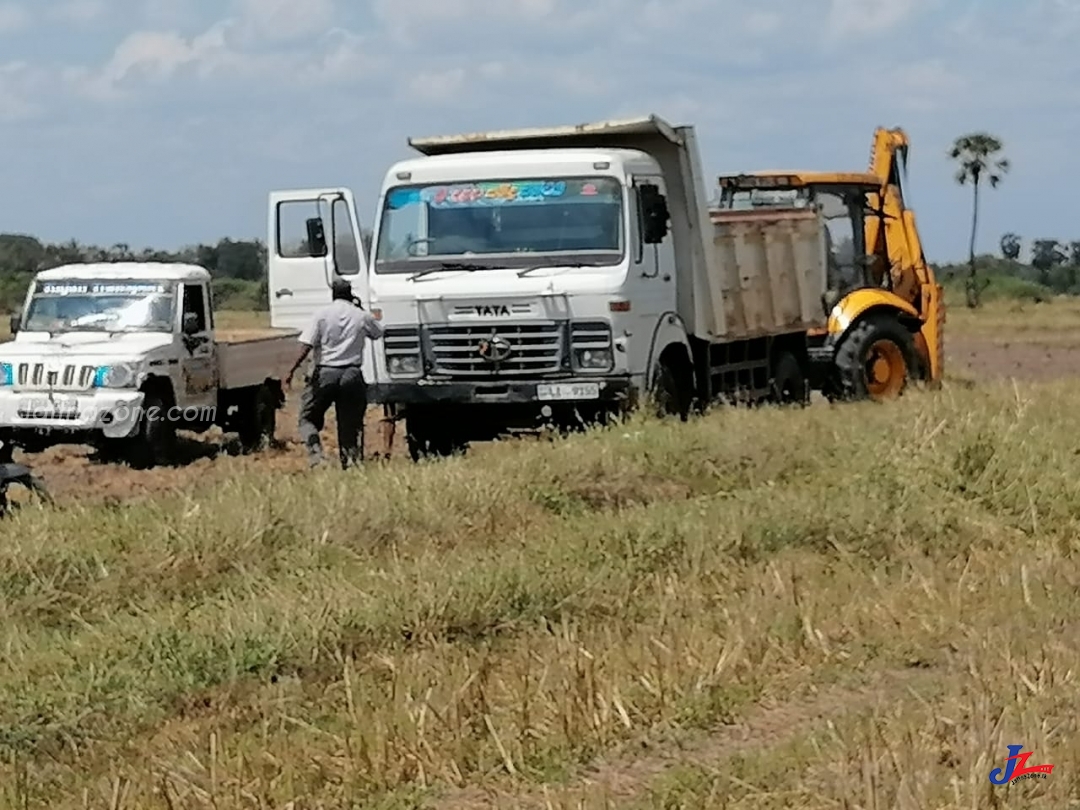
(247, 357)
(773, 271)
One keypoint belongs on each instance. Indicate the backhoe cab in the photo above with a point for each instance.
(885, 309)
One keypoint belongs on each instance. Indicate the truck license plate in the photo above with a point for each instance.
(563, 391)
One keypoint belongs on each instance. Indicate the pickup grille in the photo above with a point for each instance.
(69, 377)
(535, 348)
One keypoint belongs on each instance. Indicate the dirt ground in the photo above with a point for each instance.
(70, 473)
(1024, 361)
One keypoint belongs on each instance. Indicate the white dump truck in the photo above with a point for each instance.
(556, 275)
(122, 355)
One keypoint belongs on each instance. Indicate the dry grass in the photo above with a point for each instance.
(853, 607)
(1055, 322)
(420, 632)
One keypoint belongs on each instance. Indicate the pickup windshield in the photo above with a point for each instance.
(514, 223)
(100, 306)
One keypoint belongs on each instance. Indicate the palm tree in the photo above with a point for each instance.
(977, 156)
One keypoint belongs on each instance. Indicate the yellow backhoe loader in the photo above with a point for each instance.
(886, 311)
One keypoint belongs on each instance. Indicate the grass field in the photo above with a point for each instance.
(838, 607)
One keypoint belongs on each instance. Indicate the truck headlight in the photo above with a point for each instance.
(593, 359)
(122, 375)
(402, 347)
(403, 364)
(591, 346)
(7, 374)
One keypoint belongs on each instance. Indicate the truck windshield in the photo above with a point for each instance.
(755, 198)
(100, 306)
(502, 224)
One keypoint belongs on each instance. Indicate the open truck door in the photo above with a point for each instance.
(313, 235)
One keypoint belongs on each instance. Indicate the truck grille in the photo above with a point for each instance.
(69, 377)
(534, 348)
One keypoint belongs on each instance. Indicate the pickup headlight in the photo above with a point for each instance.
(590, 345)
(402, 347)
(7, 374)
(122, 375)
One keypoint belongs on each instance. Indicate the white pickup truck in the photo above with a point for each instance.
(122, 355)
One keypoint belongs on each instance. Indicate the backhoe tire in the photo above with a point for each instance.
(789, 381)
(875, 360)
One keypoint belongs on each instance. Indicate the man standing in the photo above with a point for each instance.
(336, 335)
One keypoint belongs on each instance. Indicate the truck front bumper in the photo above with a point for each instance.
(113, 414)
(580, 390)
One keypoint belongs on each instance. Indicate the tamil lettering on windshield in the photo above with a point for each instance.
(100, 306)
(505, 223)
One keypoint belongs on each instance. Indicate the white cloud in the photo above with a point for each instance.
(862, 17)
(79, 11)
(13, 17)
(281, 20)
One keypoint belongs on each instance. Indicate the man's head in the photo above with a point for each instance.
(341, 290)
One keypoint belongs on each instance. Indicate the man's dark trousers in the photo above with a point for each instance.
(345, 389)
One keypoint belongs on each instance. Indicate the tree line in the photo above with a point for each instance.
(238, 267)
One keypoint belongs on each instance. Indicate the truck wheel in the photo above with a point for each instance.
(155, 437)
(875, 359)
(669, 395)
(427, 436)
(789, 381)
(256, 419)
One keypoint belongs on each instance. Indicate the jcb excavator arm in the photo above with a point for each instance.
(894, 239)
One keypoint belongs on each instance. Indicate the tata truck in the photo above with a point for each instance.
(555, 276)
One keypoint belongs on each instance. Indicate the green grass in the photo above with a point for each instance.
(424, 633)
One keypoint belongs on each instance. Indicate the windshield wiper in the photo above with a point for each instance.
(527, 270)
(448, 266)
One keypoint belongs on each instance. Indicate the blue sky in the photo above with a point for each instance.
(166, 122)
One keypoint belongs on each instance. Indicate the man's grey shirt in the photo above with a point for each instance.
(337, 333)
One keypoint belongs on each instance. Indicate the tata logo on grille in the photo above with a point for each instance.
(493, 310)
(494, 349)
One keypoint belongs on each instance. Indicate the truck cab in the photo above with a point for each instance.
(121, 355)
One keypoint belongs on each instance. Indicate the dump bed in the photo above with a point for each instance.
(772, 269)
(247, 357)
(733, 281)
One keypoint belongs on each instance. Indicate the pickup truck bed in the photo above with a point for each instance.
(246, 357)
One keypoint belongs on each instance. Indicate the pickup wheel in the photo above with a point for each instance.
(155, 437)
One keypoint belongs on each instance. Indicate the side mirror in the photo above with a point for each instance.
(316, 238)
(190, 324)
(15, 323)
(654, 214)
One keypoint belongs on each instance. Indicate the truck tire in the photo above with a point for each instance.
(256, 419)
(154, 441)
(668, 393)
(428, 436)
(875, 359)
(788, 380)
